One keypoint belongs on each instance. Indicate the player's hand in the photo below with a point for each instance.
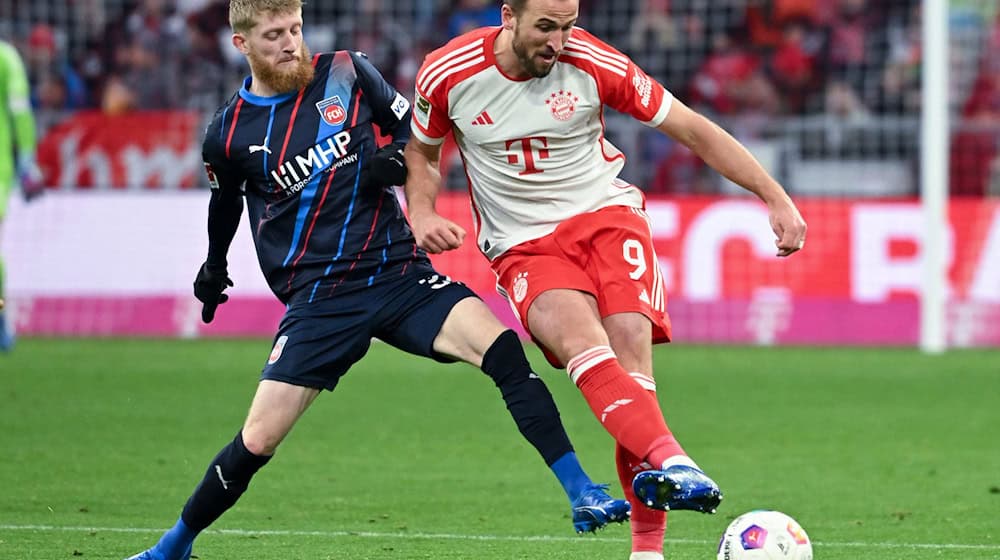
(435, 233)
(387, 167)
(788, 225)
(30, 178)
(209, 288)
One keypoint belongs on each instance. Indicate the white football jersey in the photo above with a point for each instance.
(534, 149)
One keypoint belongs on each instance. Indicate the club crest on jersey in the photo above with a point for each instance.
(332, 110)
(520, 287)
(279, 346)
(562, 104)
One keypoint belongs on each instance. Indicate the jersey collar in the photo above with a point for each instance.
(491, 56)
(259, 99)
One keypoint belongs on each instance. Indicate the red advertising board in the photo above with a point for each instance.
(150, 149)
(856, 282)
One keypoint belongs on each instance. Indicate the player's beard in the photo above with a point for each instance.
(284, 80)
(528, 62)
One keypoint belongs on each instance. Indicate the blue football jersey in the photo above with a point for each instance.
(299, 160)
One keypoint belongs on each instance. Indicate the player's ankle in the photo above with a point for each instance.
(675, 460)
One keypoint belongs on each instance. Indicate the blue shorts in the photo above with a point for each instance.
(318, 342)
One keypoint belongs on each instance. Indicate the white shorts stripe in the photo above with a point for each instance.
(658, 289)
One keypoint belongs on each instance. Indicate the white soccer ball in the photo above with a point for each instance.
(764, 535)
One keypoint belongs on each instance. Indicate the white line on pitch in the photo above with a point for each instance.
(450, 536)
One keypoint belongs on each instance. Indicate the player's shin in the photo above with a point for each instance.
(624, 408)
(530, 404)
(226, 479)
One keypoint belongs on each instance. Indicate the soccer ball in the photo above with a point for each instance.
(764, 535)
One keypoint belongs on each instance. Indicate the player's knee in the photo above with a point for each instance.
(570, 340)
(629, 331)
(568, 347)
(259, 443)
(469, 332)
(505, 359)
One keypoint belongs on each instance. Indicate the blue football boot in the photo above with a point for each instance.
(149, 555)
(594, 508)
(677, 487)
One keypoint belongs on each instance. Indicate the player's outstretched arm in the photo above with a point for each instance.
(224, 211)
(433, 232)
(726, 155)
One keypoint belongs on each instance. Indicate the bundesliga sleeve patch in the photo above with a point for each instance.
(399, 106)
(422, 111)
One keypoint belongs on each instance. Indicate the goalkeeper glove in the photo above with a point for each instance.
(30, 178)
(209, 286)
(387, 167)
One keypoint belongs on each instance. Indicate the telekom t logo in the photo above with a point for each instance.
(532, 148)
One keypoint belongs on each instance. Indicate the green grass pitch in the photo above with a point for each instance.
(879, 453)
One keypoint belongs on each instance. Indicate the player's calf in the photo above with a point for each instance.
(528, 399)
(227, 477)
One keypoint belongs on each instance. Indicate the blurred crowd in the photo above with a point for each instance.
(746, 60)
(167, 54)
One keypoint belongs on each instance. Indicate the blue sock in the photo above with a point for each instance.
(570, 474)
(175, 542)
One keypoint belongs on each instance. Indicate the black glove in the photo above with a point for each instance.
(387, 167)
(209, 286)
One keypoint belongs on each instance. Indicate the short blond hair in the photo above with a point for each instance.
(243, 13)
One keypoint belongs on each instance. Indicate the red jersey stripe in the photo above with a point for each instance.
(232, 125)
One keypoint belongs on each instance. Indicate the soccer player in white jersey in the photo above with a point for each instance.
(569, 240)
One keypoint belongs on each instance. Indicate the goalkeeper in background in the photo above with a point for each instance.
(17, 150)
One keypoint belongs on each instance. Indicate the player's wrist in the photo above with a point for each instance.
(216, 267)
(27, 167)
(774, 196)
(420, 209)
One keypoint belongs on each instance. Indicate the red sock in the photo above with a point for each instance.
(623, 407)
(648, 525)
(666, 446)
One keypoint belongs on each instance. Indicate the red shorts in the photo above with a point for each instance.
(607, 254)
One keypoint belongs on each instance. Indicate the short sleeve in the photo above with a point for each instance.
(623, 86)
(431, 123)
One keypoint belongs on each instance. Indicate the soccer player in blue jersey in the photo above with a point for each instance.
(297, 143)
